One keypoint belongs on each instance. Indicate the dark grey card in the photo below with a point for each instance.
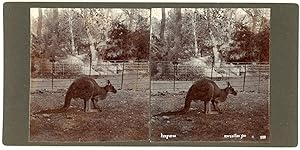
(140, 88)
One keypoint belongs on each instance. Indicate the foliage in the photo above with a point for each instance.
(229, 30)
(90, 27)
(248, 46)
(118, 44)
(124, 44)
(263, 44)
(243, 47)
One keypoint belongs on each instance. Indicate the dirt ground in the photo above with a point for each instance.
(124, 117)
(247, 114)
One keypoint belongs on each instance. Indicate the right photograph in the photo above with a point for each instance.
(210, 74)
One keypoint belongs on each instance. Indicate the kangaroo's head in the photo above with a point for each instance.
(110, 88)
(230, 90)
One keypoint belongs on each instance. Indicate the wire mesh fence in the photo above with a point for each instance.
(122, 74)
(179, 76)
(165, 75)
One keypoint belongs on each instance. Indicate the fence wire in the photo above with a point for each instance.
(179, 76)
(165, 75)
(123, 75)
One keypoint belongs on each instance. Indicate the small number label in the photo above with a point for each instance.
(263, 137)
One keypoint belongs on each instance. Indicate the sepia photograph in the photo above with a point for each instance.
(160, 74)
(150, 74)
(210, 74)
(90, 77)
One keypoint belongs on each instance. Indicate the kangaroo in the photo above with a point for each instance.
(87, 88)
(207, 91)
(84, 88)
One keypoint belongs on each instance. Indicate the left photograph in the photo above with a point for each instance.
(90, 78)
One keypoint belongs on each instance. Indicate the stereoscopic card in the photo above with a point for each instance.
(184, 74)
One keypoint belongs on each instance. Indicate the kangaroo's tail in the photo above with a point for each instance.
(186, 107)
(68, 98)
(51, 111)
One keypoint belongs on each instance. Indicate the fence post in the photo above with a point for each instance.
(107, 66)
(186, 73)
(89, 102)
(90, 54)
(228, 78)
(244, 77)
(52, 60)
(174, 77)
(259, 67)
(122, 75)
(212, 69)
(137, 76)
(63, 70)
(175, 70)
(52, 75)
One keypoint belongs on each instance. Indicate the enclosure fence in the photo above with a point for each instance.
(159, 75)
(179, 76)
(122, 74)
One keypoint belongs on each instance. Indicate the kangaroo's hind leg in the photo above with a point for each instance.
(198, 102)
(207, 109)
(95, 105)
(84, 106)
(215, 105)
(87, 105)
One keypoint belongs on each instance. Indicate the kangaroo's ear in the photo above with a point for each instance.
(228, 84)
(108, 82)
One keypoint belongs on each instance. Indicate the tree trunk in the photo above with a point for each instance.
(131, 13)
(92, 45)
(55, 36)
(40, 23)
(214, 42)
(162, 39)
(253, 16)
(216, 51)
(163, 25)
(173, 54)
(71, 31)
(108, 16)
(254, 20)
(93, 52)
(217, 57)
(194, 32)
